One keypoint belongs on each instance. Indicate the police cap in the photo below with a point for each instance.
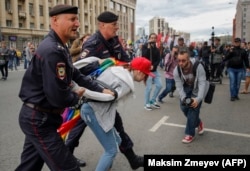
(107, 17)
(63, 9)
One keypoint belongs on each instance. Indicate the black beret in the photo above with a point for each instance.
(107, 17)
(63, 9)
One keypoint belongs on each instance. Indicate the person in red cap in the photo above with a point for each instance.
(100, 116)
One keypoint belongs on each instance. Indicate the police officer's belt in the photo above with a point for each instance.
(40, 109)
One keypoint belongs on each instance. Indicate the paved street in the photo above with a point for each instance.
(154, 132)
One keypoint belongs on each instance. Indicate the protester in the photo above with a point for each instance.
(46, 91)
(191, 91)
(105, 44)
(76, 48)
(4, 60)
(100, 117)
(237, 60)
(216, 58)
(151, 52)
(170, 63)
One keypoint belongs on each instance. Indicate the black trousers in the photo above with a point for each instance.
(76, 133)
(43, 143)
(4, 69)
(216, 70)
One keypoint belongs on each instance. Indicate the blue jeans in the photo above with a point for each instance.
(235, 76)
(170, 83)
(193, 118)
(110, 140)
(158, 85)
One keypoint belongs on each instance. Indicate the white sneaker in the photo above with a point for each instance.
(148, 107)
(155, 105)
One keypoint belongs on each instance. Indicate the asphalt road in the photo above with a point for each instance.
(227, 128)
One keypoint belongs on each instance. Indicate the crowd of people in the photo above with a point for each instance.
(57, 76)
(11, 58)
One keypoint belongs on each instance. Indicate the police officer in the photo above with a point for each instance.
(45, 92)
(104, 44)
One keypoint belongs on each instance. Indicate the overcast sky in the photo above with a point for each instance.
(193, 16)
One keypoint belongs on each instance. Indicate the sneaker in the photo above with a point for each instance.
(187, 139)
(155, 105)
(237, 98)
(171, 94)
(201, 128)
(148, 107)
(160, 100)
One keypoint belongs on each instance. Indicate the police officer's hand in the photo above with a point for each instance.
(80, 91)
(102, 60)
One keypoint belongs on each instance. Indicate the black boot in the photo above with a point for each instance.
(134, 160)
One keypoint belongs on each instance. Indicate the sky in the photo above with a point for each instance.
(196, 17)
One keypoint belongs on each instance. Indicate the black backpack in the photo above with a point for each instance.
(209, 96)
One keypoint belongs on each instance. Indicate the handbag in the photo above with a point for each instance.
(210, 93)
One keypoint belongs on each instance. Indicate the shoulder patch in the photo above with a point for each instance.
(85, 52)
(61, 70)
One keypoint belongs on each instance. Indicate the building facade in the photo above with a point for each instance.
(28, 20)
(242, 20)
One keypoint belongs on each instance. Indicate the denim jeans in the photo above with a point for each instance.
(170, 83)
(110, 140)
(192, 114)
(193, 118)
(158, 85)
(235, 76)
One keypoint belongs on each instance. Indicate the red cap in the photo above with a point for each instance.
(142, 64)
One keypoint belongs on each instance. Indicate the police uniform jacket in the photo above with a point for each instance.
(97, 46)
(47, 80)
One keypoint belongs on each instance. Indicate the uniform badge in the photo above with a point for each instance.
(61, 70)
(84, 53)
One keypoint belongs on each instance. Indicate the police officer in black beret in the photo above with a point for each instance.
(104, 44)
(46, 91)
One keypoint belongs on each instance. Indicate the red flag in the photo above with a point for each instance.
(158, 40)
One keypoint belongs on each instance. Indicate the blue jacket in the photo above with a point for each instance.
(97, 46)
(47, 80)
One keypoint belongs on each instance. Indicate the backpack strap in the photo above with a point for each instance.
(195, 65)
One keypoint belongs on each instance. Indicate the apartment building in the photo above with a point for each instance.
(242, 20)
(28, 20)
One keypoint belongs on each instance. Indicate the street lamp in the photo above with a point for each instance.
(212, 37)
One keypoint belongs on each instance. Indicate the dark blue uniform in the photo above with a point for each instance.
(97, 46)
(46, 91)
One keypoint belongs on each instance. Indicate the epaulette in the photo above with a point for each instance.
(60, 47)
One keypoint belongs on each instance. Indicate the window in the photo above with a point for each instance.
(8, 23)
(41, 10)
(111, 5)
(118, 7)
(20, 25)
(124, 10)
(31, 9)
(32, 25)
(7, 5)
(132, 15)
(41, 26)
